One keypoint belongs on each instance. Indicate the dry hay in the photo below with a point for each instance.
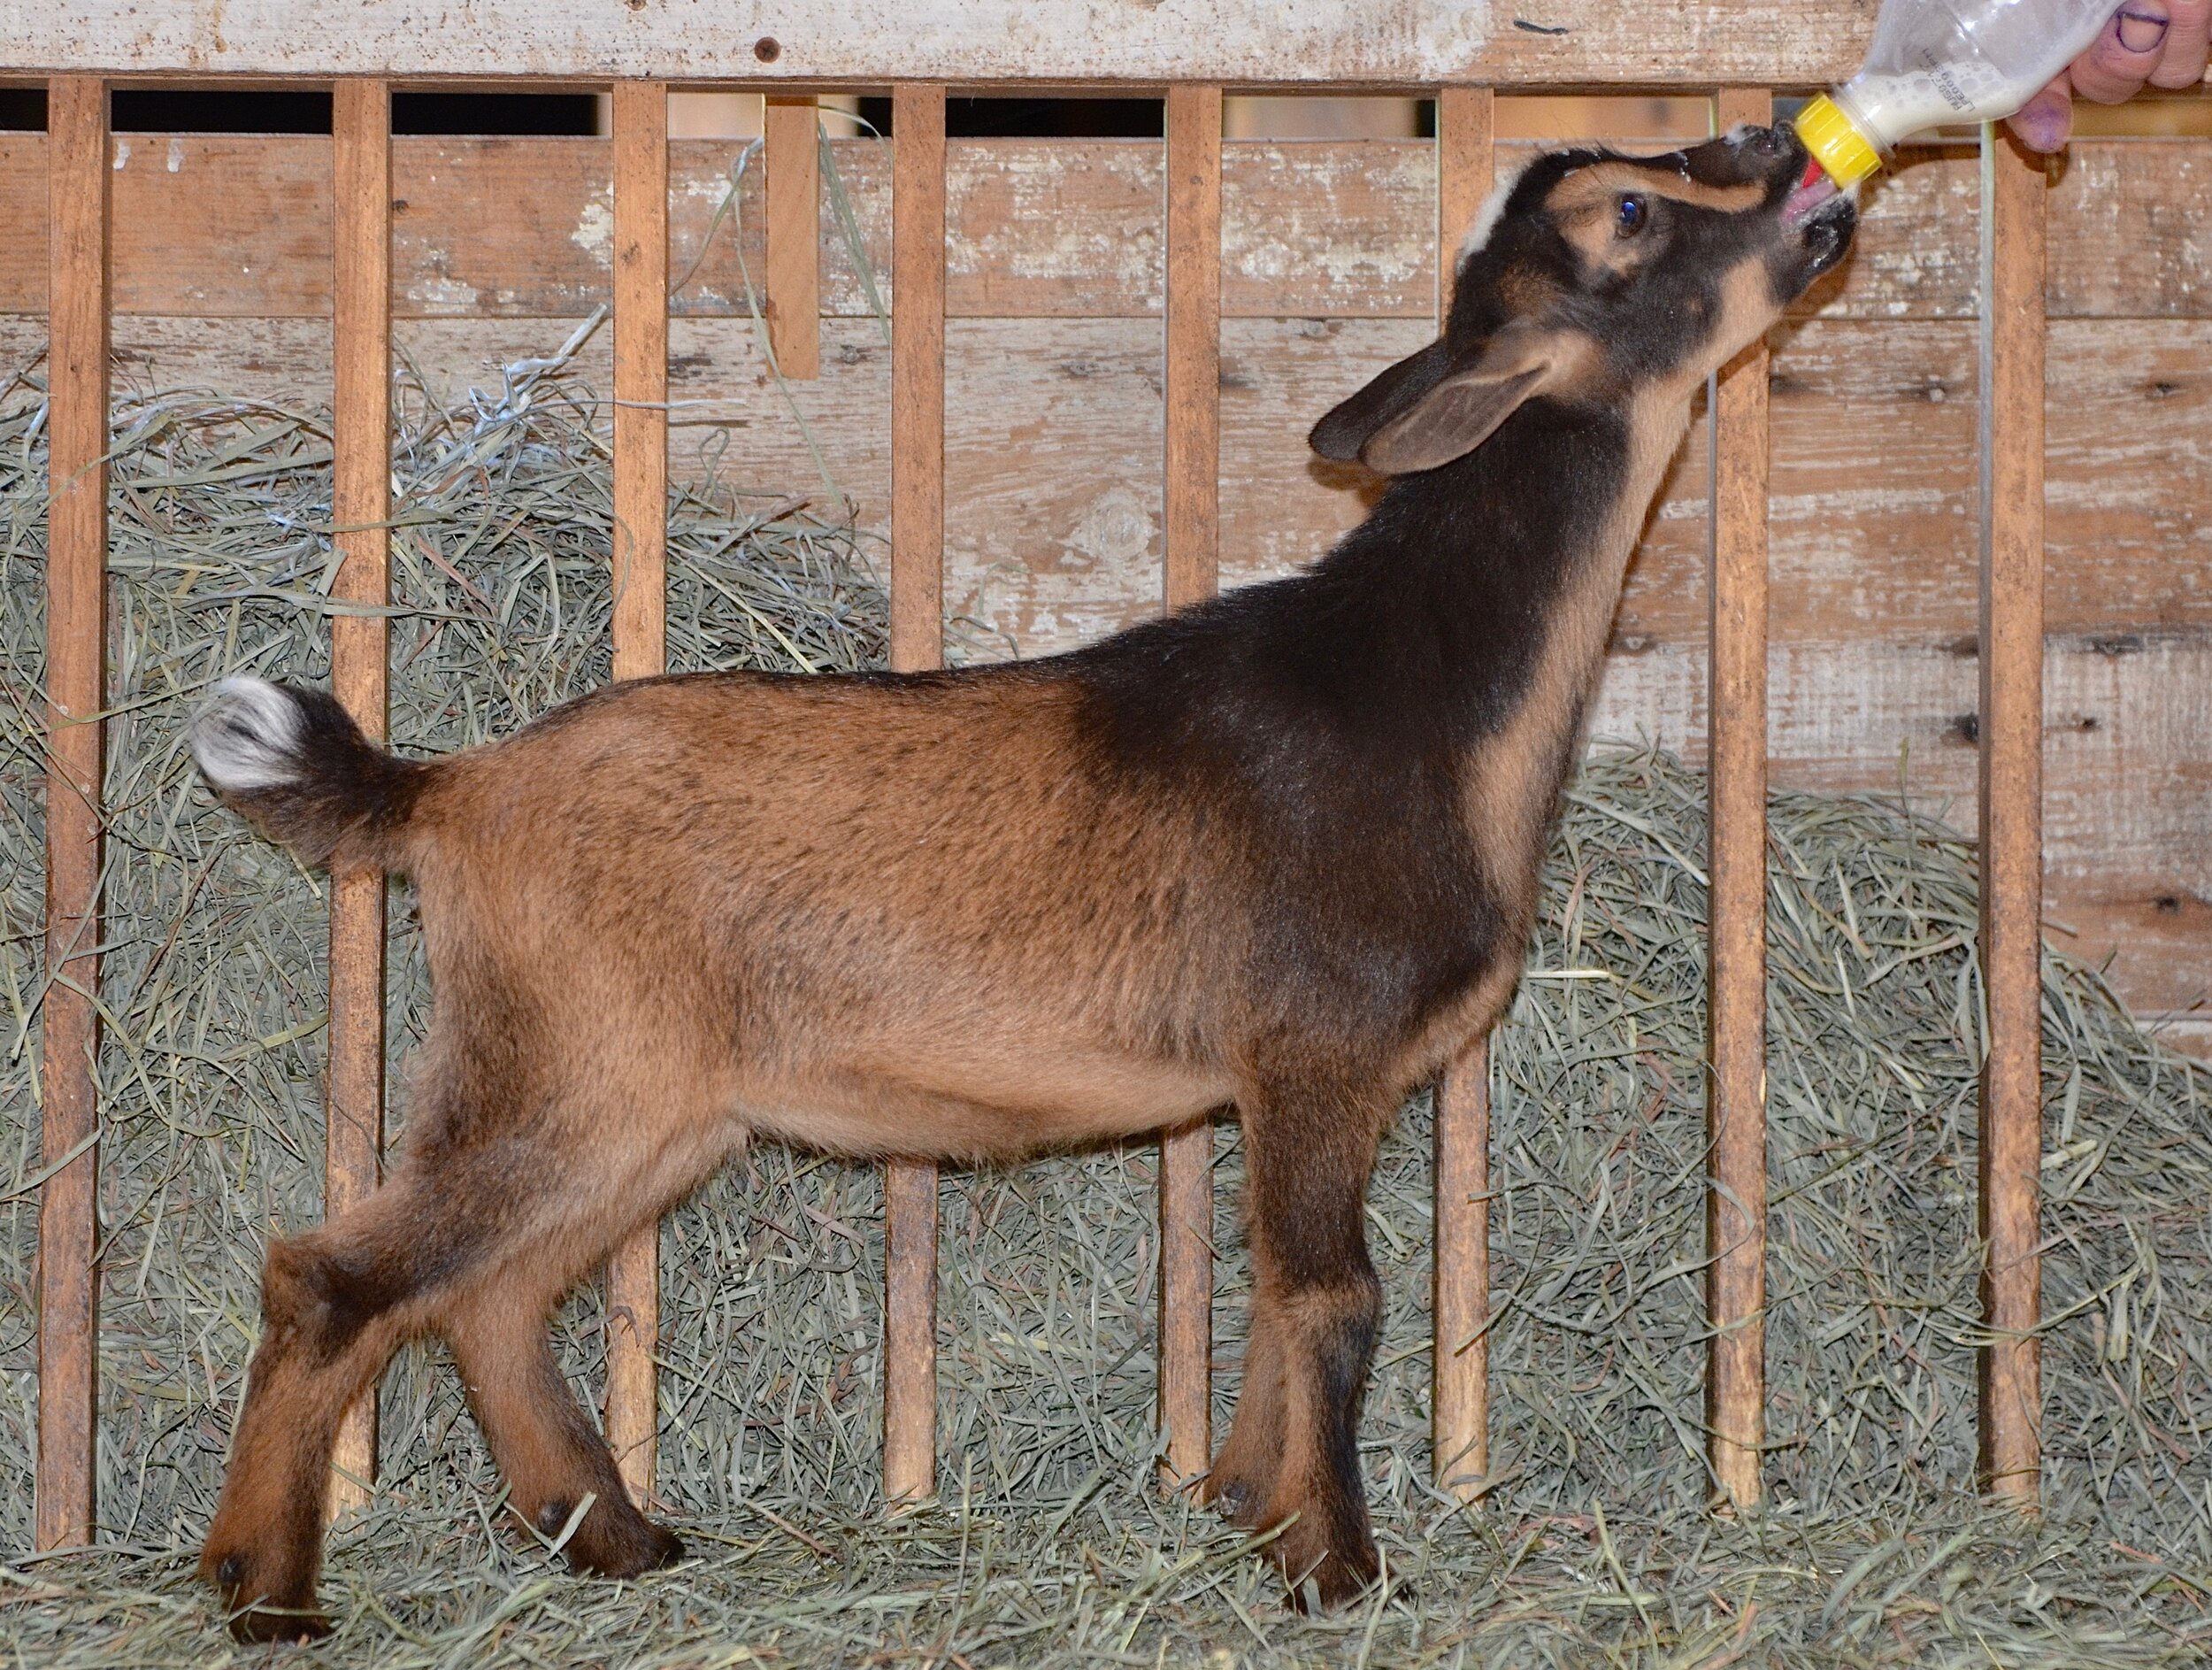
(1050, 1545)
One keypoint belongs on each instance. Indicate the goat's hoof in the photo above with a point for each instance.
(628, 1547)
(259, 1611)
(258, 1626)
(1325, 1576)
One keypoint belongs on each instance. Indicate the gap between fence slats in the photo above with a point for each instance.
(1459, 1404)
(2014, 185)
(640, 637)
(1192, 466)
(1736, 1080)
(361, 473)
(918, 590)
(793, 280)
(76, 691)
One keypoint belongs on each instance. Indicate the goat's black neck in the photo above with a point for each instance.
(1418, 633)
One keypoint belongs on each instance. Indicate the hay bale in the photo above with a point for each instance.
(1050, 1545)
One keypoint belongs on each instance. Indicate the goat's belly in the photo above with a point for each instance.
(973, 1103)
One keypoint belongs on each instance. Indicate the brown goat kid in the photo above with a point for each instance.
(1279, 852)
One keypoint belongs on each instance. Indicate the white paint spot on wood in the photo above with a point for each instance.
(594, 229)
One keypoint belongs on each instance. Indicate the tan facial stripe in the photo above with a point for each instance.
(1587, 188)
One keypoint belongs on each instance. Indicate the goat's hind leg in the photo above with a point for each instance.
(336, 1303)
(554, 1459)
(1242, 1479)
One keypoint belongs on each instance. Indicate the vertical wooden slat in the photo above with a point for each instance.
(1735, 1200)
(917, 592)
(641, 636)
(361, 360)
(1459, 1404)
(1193, 540)
(2014, 191)
(794, 300)
(76, 690)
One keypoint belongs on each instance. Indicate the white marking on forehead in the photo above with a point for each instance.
(1492, 209)
(1735, 136)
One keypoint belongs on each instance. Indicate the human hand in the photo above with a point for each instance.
(2147, 42)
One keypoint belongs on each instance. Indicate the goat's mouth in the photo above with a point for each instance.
(1821, 228)
(1815, 189)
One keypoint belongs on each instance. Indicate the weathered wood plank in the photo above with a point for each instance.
(792, 262)
(221, 223)
(918, 641)
(1396, 42)
(1736, 764)
(76, 694)
(2011, 822)
(640, 634)
(361, 442)
(1459, 1401)
(1191, 574)
(2128, 234)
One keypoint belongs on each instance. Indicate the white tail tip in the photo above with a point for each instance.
(246, 737)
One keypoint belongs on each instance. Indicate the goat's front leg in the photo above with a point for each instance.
(336, 1303)
(1316, 1307)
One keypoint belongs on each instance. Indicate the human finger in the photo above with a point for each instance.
(2046, 119)
(2181, 63)
(2122, 58)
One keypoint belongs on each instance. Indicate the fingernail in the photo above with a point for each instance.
(2142, 29)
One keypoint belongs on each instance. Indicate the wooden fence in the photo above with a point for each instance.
(78, 296)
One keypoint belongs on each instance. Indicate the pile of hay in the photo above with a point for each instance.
(1049, 1544)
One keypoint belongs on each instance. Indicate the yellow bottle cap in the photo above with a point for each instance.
(1836, 145)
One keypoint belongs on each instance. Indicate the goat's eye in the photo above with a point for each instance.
(1633, 212)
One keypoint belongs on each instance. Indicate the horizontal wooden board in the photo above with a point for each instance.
(1402, 42)
(225, 225)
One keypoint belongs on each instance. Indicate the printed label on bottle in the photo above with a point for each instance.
(1963, 87)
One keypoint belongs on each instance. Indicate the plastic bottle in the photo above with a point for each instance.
(1939, 61)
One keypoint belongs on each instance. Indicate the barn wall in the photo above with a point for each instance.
(222, 278)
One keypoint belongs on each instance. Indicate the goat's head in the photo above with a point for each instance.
(1601, 279)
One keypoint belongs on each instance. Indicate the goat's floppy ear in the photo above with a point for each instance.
(1391, 394)
(1466, 406)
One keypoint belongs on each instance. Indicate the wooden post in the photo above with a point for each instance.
(918, 640)
(640, 639)
(2014, 192)
(1459, 1399)
(794, 303)
(76, 695)
(1736, 1085)
(1193, 564)
(361, 475)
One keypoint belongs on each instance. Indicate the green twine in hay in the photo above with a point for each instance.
(1049, 1544)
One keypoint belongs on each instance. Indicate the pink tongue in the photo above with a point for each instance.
(1815, 189)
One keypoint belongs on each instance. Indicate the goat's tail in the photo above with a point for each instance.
(293, 761)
